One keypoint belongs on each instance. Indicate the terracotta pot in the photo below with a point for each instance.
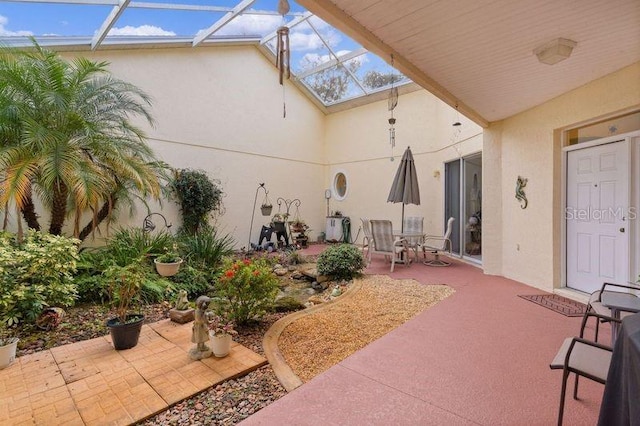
(220, 344)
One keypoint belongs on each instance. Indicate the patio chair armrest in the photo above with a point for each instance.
(402, 241)
(446, 242)
(628, 286)
(561, 360)
(600, 317)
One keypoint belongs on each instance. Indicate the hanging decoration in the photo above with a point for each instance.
(520, 195)
(393, 102)
(282, 52)
(457, 129)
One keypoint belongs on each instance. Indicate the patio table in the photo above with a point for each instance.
(407, 235)
(622, 389)
(619, 302)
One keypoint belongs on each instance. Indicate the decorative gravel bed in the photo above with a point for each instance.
(318, 341)
(311, 345)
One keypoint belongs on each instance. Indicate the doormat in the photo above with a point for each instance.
(562, 305)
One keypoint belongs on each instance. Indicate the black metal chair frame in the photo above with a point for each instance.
(568, 368)
(605, 318)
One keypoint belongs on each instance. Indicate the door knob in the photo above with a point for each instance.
(621, 229)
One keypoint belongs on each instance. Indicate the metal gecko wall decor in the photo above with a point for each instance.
(520, 195)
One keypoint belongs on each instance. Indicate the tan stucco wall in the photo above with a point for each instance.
(357, 142)
(526, 244)
(220, 109)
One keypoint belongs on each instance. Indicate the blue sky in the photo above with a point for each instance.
(82, 20)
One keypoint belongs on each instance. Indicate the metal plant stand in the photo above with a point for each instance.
(253, 212)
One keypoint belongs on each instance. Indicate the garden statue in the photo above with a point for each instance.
(200, 330)
(182, 313)
(182, 303)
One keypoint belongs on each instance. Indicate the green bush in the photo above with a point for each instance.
(206, 249)
(342, 261)
(35, 273)
(198, 196)
(247, 290)
(123, 249)
(131, 243)
(194, 281)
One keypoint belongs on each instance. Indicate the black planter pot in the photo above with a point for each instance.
(125, 336)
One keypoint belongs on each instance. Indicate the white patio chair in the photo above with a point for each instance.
(367, 240)
(414, 225)
(435, 244)
(385, 243)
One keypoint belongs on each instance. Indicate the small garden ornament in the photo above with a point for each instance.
(182, 313)
(200, 330)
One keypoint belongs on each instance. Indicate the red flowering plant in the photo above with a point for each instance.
(247, 289)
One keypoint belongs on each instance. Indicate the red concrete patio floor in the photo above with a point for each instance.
(480, 357)
(90, 383)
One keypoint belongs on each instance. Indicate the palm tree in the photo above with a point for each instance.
(66, 139)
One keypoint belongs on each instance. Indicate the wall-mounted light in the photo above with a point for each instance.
(555, 51)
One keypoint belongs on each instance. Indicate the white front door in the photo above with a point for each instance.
(597, 216)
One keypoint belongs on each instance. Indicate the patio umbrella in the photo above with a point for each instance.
(405, 185)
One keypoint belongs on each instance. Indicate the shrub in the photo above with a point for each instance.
(198, 196)
(35, 273)
(194, 281)
(206, 249)
(131, 243)
(247, 289)
(342, 261)
(125, 286)
(127, 246)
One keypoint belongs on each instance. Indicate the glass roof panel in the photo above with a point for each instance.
(333, 85)
(252, 24)
(323, 58)
(38, 19)
(337, 41)
(162, 22)
(307, 48)
(218, 3)
(374, 73)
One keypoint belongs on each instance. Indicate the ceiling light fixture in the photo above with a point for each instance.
(555, 51)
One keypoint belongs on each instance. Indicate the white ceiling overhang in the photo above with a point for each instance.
(478, 55)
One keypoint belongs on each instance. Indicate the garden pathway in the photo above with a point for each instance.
(89, 383)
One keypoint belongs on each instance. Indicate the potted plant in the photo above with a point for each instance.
(8, 346)
(168, 263)
(125, 284)
(298, 225)
(220, 335)
(266, 209)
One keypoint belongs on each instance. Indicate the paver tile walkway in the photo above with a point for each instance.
(89, 383)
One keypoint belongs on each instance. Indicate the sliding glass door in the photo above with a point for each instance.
(463, 201)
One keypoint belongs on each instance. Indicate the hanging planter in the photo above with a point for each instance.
(167, 269)
(266, 209)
